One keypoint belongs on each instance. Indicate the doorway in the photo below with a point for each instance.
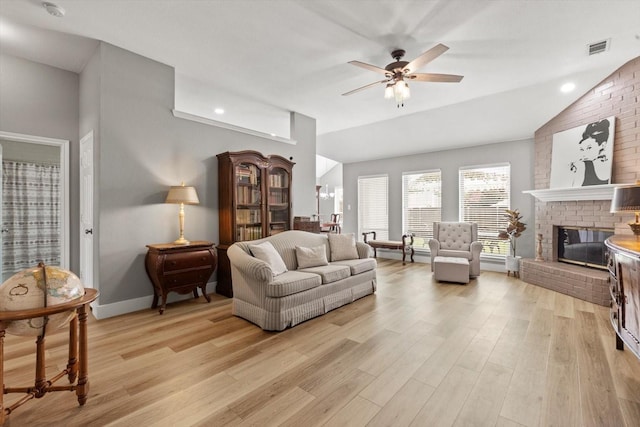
(34, 204)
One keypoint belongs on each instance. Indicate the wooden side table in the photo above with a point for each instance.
(77, 367)
(180, 268)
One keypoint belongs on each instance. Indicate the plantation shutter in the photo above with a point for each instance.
(421, 204)
(484, 195)
(373, 205)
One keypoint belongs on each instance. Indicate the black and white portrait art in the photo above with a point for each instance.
(583, 155)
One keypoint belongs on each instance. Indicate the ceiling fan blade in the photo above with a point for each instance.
(431, 77)
(426, 57)
(369, 67)
(364, 87)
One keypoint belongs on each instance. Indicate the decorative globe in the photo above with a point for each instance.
(26, 289)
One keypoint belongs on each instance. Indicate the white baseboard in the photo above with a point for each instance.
(103, 311)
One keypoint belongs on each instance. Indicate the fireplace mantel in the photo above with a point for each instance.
(591, 192)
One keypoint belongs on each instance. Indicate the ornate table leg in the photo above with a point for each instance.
(72, 366)
(41, 375)
(82, 389)
(203, 288)
(2, 414)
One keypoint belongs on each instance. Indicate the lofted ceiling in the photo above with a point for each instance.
(260, 59)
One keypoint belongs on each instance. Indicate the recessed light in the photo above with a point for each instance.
(53, 9)
(567, 87)
(219, 111)
(272, 134)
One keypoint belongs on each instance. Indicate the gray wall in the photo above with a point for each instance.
(333, 178)
(519, 154)
(142, 149)
(40, 100)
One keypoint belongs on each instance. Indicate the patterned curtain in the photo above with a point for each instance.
(31, 213)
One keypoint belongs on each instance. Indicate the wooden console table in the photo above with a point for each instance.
(403, 245)
(624, 268)
(180, 268)
(77, 366)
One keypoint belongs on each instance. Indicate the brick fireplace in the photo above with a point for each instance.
(617, 95)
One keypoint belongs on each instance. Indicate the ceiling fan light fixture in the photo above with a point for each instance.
(388, 91)
(401, 92)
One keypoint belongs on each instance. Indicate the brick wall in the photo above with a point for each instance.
(618, 95)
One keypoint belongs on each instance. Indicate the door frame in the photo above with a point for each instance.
(63, 145)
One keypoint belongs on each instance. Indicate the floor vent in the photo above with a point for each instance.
(598, 47)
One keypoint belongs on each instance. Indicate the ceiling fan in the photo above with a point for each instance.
(397, 73)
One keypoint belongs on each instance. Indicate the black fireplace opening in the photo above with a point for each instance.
(583, 246)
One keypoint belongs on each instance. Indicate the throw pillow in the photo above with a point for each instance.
(267, 253)
(343, 246)
(311, 257)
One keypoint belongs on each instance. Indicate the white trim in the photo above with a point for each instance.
(590, 192)
(65, 207)
(485, 166)
(187, 116)
(104, 311)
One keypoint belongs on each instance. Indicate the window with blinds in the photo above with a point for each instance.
(421, 204)
(484, 196)
(373, 205)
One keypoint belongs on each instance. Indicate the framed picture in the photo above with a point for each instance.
(582, 156)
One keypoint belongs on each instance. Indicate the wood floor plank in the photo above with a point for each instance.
(402, 409)
(561, 405)
(394, 378)
(599, 402)
(482, 407)
(358, 412)
(322, 409)
(445, 403)
(436, 368)
(281, 408)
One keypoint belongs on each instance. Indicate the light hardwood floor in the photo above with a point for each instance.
(496, 352)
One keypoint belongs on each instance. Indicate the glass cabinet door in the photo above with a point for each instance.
(248, 202)
(279, 200)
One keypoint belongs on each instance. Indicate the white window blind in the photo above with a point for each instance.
(373, 205)
(484, 196)
(421, 204)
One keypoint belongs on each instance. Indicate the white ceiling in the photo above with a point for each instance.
(260, 59)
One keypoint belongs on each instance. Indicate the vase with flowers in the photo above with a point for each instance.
(515, 228)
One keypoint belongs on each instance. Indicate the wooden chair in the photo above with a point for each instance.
(333, 226)
(405, 245)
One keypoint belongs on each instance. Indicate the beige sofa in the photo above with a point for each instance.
(277, 302)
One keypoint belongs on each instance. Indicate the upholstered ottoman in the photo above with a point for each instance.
(451, 269)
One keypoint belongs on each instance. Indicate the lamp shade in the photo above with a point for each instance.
(182, 194)
(626, 198)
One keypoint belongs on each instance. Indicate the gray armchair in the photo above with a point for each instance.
(457, 239)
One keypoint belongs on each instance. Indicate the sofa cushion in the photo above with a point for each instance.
(358, 266)
(292, 282)
(455, 254)
(311, 257)
(267, 253)
(343, 246)
(330, 273)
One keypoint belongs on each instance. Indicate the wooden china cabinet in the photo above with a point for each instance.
(254, 201)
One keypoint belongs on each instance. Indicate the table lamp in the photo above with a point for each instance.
(182, 195)
(627, 199)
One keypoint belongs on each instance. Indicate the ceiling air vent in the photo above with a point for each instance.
(598, 47)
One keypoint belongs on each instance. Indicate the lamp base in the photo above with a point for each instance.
(635, 227)
(181, 241)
